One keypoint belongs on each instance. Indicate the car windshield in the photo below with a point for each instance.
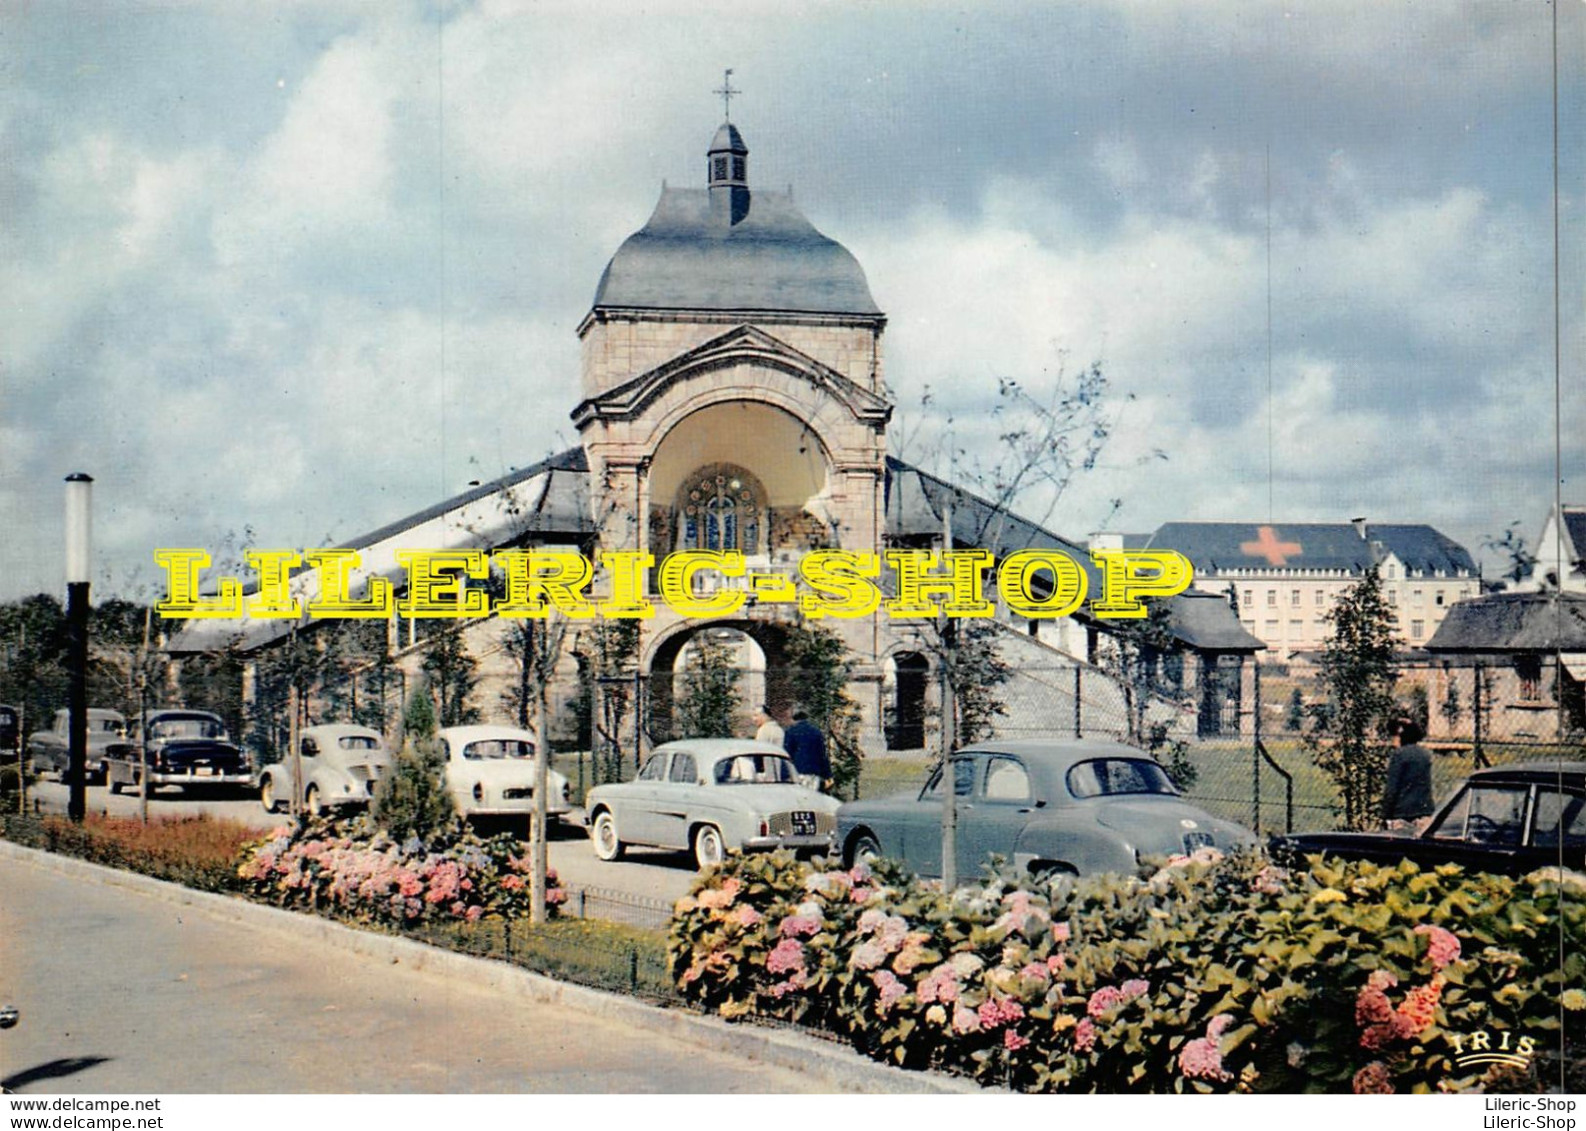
(187, 727)
(497, 748)
(358, 742)
(1104, 777)
(756, 769)
(109, 726)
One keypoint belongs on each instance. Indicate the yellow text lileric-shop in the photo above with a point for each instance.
(830, 583)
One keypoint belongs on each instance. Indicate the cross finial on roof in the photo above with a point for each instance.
(726, 93)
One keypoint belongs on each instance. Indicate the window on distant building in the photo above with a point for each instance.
(1438, 600)
(1528, 669)
(1417, 629)
(1393, 597)
(1294, 597)
(1321, 598)
(1248, 598)
(1296, 629)
(1271, 630)
(1391, 573)
(1272, 597)
(1417, 597)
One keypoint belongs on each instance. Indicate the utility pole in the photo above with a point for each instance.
(79, 519)
(948, 660)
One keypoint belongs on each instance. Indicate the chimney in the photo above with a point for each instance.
(1360, 526)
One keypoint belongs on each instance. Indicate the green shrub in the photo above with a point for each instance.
(411, 802)
(1209, 975)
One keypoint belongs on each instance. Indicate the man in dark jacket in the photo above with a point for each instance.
(1407, 798)
(806, 745)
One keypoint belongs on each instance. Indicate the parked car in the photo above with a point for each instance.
(1508, 819)
(49, 751)
(10, 730)
(1053, 806)
(341, 764)
(182, 747)
(710, 795)
(490, 771)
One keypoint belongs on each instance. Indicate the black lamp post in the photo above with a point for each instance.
(79, 515)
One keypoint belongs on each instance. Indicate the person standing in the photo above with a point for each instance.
(767, 729)
(806, 745)
(1407, 797)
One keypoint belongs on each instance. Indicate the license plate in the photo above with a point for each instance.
(203, 771)
(803, 823)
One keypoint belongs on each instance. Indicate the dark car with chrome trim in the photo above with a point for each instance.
(1507, 819)
(184, 748)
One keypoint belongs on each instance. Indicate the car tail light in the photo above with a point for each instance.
(765, 827)
(479, 791)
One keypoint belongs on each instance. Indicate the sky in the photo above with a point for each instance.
(279, 273)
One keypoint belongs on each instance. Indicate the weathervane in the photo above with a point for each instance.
(726, 93)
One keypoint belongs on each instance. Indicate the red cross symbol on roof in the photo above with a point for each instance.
(1267, 546)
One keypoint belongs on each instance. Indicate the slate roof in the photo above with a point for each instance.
(916, 501)
(546, 498)
(691, 256)
(1513, 622)
(1219, 547)
(1575, 530)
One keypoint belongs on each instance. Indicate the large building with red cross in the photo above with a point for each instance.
(1285, 577)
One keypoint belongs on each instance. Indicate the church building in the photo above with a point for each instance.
(734, 398)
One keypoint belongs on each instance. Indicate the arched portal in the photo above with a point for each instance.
(741, 475)
(764, 675)
(906, 728)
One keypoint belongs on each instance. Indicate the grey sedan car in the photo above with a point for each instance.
(1051, 806)
(710, 795)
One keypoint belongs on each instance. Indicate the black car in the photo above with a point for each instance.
(10, 731)
(1509, 819)
(180, 747)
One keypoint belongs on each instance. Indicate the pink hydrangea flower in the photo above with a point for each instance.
(788, 955)
(476, 913)
(747, 917)
(1036, 971)
(1373, 1080)
(1201, 1059)
(1136, 987)
(1104, 999)
(1442, 946)
(1084, 1034)
(795, 925)
(965, 1020)
(891, 988)
(941, 984)
(1012, 1041)
(1060, 932)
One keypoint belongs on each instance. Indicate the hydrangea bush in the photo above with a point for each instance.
(362, 873)
(1208, 975)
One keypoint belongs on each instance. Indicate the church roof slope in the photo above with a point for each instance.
(691, 255)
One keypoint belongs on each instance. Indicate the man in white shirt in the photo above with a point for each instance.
(767, 729)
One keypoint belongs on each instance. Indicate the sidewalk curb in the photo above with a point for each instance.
(843, 1069)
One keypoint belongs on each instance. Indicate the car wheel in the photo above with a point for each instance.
(603, 834)
(709, 849)
(861, 848)
(267, 796)
(113, 784)
(311, 802)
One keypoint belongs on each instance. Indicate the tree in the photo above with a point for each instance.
(1511, 544)
(412, 801)
(1452, 708)
(453, 673)
(610, 653)
(1144, 660)
(710, 699)
(1348, 735)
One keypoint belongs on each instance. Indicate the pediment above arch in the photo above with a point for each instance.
(743, 345)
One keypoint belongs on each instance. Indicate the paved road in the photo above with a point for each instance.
(662, 876)
(122, 992)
